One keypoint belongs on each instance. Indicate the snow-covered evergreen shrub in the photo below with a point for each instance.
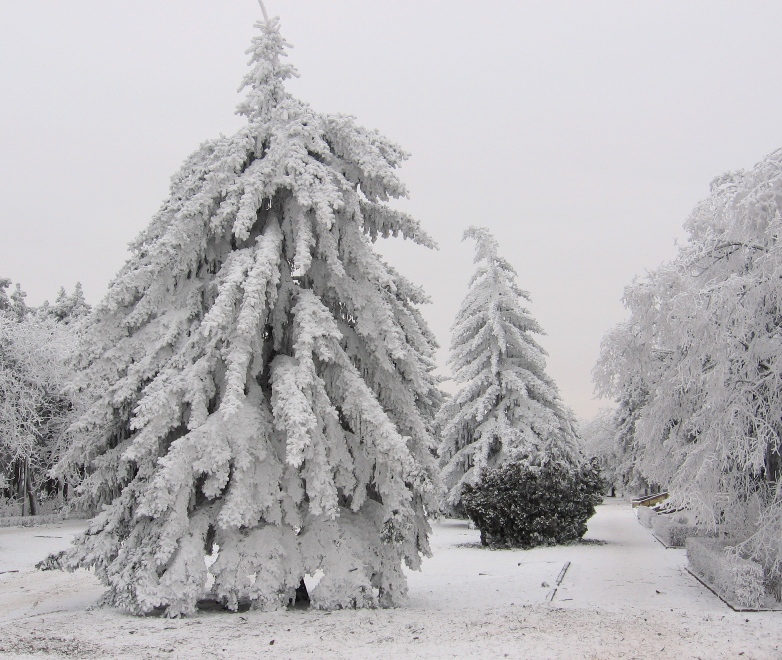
(748, 581)
(678, 534)
(507, 407)
(522, 505)
(262, 379)
(673, 533)
(706, 558)
(646, 516)
(737, 579)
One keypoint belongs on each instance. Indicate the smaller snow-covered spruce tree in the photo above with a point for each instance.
(507, 408)
(67, 309)
(262, 380)
(15, 303)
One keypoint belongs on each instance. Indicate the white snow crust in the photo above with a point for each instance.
(623, 596)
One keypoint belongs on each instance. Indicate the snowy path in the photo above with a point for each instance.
(463, 574)
(467, 602)
(632, 569)
(26, 592)
(624, 566)
(22, 547)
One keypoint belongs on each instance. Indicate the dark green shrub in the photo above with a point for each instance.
(518, 505)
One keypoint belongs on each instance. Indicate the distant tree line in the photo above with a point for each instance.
(36, 347)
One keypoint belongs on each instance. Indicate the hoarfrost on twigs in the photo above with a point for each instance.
(697, 366)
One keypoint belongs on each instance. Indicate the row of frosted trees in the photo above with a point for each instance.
(258, 384)
(696, 368)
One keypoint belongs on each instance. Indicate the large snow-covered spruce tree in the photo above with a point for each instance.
(507, 407)
(263, 379)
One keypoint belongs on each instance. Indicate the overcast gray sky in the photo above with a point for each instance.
(581, 133)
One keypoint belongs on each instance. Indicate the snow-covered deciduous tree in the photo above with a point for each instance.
(599, 440)
(700, 357)
(507, 408)
(263, 380)
(619, 374)
(5, 301)
(34, 409)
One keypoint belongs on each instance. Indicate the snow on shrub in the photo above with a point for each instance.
(519, 505)
(678, 534)
(32, 521)
(736, 579)
(671, 531)
(645, 516)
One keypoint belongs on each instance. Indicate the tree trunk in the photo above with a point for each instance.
(31, 495)
(28, 492)
(24, 486)
(773, 464)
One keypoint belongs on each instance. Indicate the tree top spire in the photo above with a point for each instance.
(486, 244)
(263, 9)
(487, 248)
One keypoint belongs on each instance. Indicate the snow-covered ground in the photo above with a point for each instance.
(623, 596)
